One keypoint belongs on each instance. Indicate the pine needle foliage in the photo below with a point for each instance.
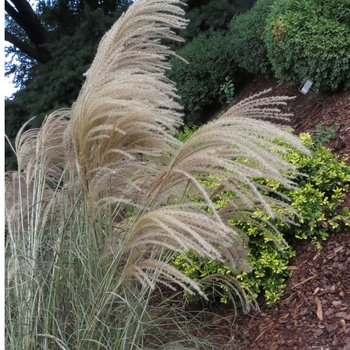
(102, 198)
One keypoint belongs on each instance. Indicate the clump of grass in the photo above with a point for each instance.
(101, 200)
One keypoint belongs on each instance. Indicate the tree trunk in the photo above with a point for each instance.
(25, 17)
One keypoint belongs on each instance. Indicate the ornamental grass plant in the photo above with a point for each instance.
(101, 201)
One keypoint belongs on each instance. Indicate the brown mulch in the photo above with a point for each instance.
(309, 110)
(314, 312)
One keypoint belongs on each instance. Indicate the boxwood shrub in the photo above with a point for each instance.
(310, 39)
(247, 38)
(198, 82)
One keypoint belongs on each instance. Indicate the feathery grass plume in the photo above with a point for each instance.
(102, 201)
(236, 150)
(41, 161)
(126, 109)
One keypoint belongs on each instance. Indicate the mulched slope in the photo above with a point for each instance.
(314, 313)
(315, 310)
(309, 110)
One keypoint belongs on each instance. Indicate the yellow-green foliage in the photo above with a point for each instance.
(324, 180)
(320, 194)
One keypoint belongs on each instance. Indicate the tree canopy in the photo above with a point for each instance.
(31, 31)
(24, 17)
(53, 44)
(209, 16)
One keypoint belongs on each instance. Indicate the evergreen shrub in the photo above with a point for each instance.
(323, 182)
(208, 17)
(247, 42)
(310, 40)
(198, 81)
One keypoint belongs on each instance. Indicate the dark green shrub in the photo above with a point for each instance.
(317, 202)
(310, 40)
(199, 81)
(208, 17)
(247, 42)
(227, 90)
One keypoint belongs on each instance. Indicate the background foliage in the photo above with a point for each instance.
(224, 39)
(55, 84)
(75, 28)
(198, 81)
(209, 16)
(247, 38)
(310, 40)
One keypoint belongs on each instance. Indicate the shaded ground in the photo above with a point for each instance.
(315, 310)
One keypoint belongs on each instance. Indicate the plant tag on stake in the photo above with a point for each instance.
(307, 85)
